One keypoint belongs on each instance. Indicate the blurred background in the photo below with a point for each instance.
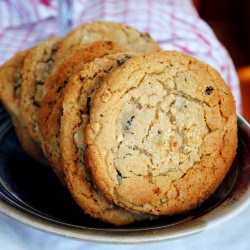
(230, 20)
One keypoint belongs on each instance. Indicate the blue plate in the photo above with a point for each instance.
(32, 194)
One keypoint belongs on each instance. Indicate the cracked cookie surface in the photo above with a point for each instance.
(110, 31)
(37, 66)
(11, 83)
(162, 133)
(51, 107)
(77, 101)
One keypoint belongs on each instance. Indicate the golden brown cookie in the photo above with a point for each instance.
(76, 104)
(51, 106)
(65, 57)
(36, 69)
(103, 30)
(162, 133)
(10, 87)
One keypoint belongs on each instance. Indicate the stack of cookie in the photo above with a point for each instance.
(133, 132)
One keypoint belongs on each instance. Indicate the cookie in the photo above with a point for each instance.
(162, 133)
(103, 30)
(76, 104)
(11, 82)
(51, 107)
(36, 69)
(10, 87)
(66, 57)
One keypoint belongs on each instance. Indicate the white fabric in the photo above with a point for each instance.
(233, 234)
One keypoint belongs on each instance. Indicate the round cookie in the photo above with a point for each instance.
(162, 133)
(51, 107)
(76, 104)
(10, 87)
(36, 69)
(104, 30)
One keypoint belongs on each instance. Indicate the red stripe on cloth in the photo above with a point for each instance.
(181, 48)
(36, 10)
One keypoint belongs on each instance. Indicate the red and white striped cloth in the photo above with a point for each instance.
(175, 24)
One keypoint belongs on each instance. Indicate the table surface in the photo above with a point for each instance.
(232, 234)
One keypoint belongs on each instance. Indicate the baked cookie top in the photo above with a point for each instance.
(76, 104)
(51, 106)
(11, 82)
(162, 133)
(36, 69)
(11, 74)
(104, 30)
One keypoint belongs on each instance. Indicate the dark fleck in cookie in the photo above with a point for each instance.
(103, 30)
(10, 86)
(36, 69)
(77, 101)
(51, 106)
(162, 133)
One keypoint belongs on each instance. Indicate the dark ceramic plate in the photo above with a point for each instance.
(31, 194)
